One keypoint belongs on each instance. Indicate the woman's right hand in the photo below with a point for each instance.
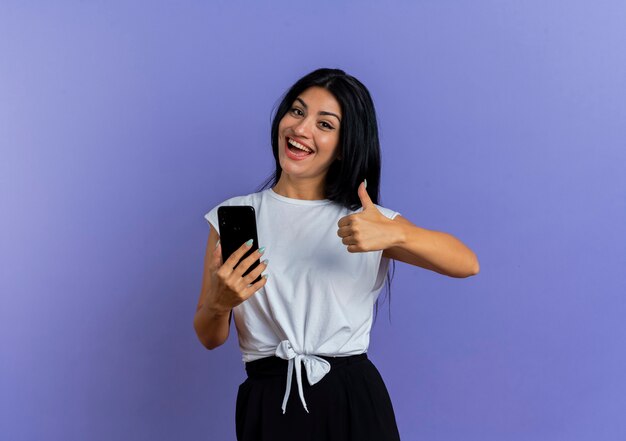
(228, 286)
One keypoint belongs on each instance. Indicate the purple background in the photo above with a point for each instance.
(502, 123)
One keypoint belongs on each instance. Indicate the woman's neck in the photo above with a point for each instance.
(305, 189)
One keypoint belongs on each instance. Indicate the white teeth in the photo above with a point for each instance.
(298, 145)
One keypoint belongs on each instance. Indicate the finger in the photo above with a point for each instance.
(248, 261)
(238, 254)
(349, 240)
(252, 275)
(344, 232)
(255, 287)
(354, 249)
(345, 221)
(366, 202)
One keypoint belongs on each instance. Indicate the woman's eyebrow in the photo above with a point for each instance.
(321, 112)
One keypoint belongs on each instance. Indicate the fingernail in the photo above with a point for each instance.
(266, 276)
(217, 244)
(365, 180)
(249, 243)
(265, 261)
(261, 250)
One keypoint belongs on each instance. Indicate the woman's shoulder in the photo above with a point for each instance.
(242, 199)
(388, 212)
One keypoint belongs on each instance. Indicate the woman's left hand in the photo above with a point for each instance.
(367, 230)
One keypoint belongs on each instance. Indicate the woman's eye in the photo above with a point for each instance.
(325, 124)
(294, 110)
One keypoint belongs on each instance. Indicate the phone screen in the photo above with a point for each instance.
(238, 225)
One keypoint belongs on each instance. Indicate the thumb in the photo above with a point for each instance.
(366, 202)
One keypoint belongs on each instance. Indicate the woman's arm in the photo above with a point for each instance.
(433, 250)
(224, 287)
(370, 230)
(212, 326)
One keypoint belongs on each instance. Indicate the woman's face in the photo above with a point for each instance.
(313, 121)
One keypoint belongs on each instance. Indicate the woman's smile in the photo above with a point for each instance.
(296, 150)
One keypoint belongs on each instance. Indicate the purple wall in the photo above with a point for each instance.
(502, 123)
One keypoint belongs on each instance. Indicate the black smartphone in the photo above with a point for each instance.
(238, 225)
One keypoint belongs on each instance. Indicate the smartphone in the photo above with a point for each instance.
(238, 225)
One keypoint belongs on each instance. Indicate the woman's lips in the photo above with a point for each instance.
(292, 155)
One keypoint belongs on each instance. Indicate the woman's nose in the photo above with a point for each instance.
(302, 128)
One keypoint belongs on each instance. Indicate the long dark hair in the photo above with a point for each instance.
(359, 147)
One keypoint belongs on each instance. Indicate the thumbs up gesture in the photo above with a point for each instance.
(368, 230)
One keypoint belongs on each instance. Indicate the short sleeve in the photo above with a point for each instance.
(387, 211)
(211, 217)
(383, 265)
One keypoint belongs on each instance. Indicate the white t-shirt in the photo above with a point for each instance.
(319, 298)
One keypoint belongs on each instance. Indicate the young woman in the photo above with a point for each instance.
(327, 250)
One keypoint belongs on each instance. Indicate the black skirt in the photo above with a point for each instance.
(350, 403)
